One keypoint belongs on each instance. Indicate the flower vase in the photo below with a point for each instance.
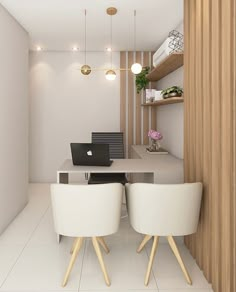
(155, 145)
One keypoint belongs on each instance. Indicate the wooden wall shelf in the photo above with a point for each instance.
(168, 65)
(170, 100)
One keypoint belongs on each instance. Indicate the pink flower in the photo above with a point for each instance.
(155, 135)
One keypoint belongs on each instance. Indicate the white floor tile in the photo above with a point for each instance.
(42, 267)
(44, 233)
(20, 230)
(125, 267)
(8, 256)
(168, 273)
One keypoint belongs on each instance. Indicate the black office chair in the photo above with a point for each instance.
(116, 148)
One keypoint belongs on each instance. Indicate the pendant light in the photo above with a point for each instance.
(136, 68)
(85, 69)
(111, 74)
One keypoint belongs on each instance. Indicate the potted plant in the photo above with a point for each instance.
(141, 79)
(172, 91)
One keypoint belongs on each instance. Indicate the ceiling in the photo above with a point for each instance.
(59, 24)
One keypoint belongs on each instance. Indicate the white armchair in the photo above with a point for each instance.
(86, 211)
(164, 210)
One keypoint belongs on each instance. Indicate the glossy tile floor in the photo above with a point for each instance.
(31, 259)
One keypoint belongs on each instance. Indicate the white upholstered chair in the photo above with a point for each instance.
(86, 211)
(164, 210)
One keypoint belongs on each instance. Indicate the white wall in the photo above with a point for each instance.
(170, 118)
(13, 118)
(67, 106)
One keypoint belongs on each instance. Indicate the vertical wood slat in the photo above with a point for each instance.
(186, 101)
(199, 114)
(130, 101)
(206, 134)
(153, 109)
(210, 103)
(123, 95)
(146, 108)
(138, 108)
(216, 150)
(226, 142)
(234, 150)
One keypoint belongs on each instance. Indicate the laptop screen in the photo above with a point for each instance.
(90, 154)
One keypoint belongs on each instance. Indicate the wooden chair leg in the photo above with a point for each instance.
(100, 259)
(151, 259)
(103, 244)
(73, 245)
(179, 259)
(143, 243)
(76, 250)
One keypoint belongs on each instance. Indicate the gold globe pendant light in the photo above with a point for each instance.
(111, 74)
(136, 68)
(85, 69)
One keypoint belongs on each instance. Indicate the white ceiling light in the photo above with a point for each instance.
(108, 49)
(136, 68)
(111, 74)
(75, 49)
(85, 69)
(39, 48)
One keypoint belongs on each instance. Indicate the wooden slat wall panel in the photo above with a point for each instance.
(135, 120)
(210, 130)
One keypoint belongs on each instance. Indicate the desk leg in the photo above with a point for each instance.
(62, 178)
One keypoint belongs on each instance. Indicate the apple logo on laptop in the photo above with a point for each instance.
(89, 153)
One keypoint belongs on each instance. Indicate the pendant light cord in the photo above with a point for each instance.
(111, 41)
(85, 37)
(134, 30)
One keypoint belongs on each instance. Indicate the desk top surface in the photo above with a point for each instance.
(147, 164)
(118, 165)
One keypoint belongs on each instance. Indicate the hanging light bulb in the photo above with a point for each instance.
(85, 69)
(111, 75)
(136, 68)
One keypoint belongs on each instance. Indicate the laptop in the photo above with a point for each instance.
(90, 154)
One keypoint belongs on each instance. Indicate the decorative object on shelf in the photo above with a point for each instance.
(177, 41)
(141, 80)
(136, 68)
(85, 69)
(155, 137)
(150, 95)
(158, 95)
(174, 91)
(111, 74)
